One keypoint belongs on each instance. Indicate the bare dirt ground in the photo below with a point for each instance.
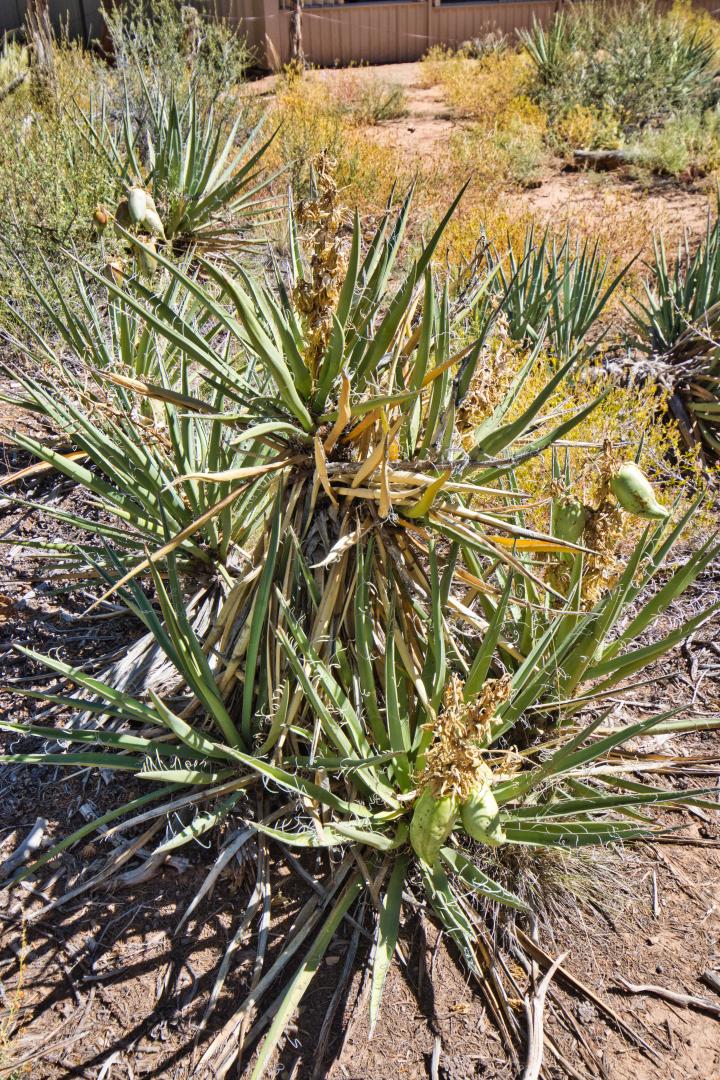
(102, 988)
(576, 197)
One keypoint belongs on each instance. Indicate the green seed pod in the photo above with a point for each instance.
(432, 822)
(137, 205)
(567, 518)
(634, 492)
(153, 224)
(480, 816)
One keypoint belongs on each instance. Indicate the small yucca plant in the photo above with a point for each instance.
(211, 189)
(556, 289)
(678, 326)
(393, 674)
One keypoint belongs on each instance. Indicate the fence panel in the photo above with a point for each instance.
(81, 18)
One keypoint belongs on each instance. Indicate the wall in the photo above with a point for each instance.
(375, 32)
(389, 32)
(81, 17)
(386, 31)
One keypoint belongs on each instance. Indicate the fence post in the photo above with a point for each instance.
(272, 42)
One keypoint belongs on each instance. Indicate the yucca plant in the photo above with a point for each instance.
(211, 188)
(549, 48)
(635, 59)
(128, 451)
(556, 290)
(391, 640)
(679, 326)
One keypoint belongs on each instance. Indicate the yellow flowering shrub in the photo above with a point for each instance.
(480, 89)
(626, 414)
(588, 128)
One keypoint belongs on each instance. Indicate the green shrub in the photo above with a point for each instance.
(173, 44)
(633, 59)
(686, 143)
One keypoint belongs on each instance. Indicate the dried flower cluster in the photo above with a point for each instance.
(603, 534)
(456, 761)
(317, 295)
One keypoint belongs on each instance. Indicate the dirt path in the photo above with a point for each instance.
(595, 202)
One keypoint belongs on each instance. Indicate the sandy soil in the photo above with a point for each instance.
(576, 197)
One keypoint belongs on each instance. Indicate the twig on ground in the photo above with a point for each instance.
(538, 954)
(30, 844)
(435, 1060)
(535, 1011)
(13, 85)
(711, 979)
(685, 1000)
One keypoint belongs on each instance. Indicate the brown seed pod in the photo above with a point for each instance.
(100, 219)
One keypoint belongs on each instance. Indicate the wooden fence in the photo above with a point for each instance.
(80, 18)
(383, 31)
(370, 31)
(375, 31)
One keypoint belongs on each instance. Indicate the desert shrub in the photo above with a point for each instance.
(524, 150)
(51, 181)
(173, 44)
(312, 122)
(587, 127)
(686, 143)
(366, 99)
(482, 89)
(633, 59)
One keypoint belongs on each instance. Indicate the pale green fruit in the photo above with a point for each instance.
(137, 205)
(152, 221)
(634, 492)
(480, 816)
(153, 224)
(432, 822)
(146, 261)
(567, 518)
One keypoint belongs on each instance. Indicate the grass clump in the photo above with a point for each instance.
(366, 99)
